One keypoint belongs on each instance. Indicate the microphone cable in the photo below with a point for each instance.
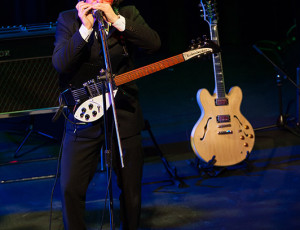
(109, 179)
(56, 177)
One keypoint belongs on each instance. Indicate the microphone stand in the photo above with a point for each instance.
(282, 119)
(109, 83)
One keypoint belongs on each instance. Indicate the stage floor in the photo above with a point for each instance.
(262, 193)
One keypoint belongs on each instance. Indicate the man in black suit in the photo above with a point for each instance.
(78, 57)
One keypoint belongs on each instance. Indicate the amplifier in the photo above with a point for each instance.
(28, 81)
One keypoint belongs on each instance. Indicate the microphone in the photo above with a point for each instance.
(98, 15)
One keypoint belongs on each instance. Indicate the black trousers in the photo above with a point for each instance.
(80, 156)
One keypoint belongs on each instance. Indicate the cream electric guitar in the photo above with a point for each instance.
(222, 134)
(88, 100)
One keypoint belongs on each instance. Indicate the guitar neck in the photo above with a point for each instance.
(217, 63)
(148, 69)
(94, 87)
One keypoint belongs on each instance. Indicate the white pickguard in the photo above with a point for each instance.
(92, 109)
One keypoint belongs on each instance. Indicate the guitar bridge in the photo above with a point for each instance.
(224, 126)
(69, 98)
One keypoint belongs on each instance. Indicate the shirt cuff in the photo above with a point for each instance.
(120, 23)
(85, 33)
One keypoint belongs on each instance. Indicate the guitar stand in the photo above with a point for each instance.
(211, 170)
(207, 168)
(172, 171)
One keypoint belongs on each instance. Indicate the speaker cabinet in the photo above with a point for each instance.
(28, 81)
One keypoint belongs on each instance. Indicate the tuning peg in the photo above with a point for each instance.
(102, 72)
(204, 38)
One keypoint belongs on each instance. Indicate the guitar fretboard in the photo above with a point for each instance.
(217, 62)
(128, 76)
(149, 69)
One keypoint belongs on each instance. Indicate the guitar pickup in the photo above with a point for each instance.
(225, 132)
(91, 88)
(221, 101)
(223, 118)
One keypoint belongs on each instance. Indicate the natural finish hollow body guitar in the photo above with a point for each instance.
(222, 134)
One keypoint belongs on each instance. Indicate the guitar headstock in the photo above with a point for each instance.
(204, 42)
(200, 47)
(208, 11)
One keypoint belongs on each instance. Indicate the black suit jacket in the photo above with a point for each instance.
(78, 61)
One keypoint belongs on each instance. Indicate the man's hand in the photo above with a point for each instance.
(105, 7)
(85, 14)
